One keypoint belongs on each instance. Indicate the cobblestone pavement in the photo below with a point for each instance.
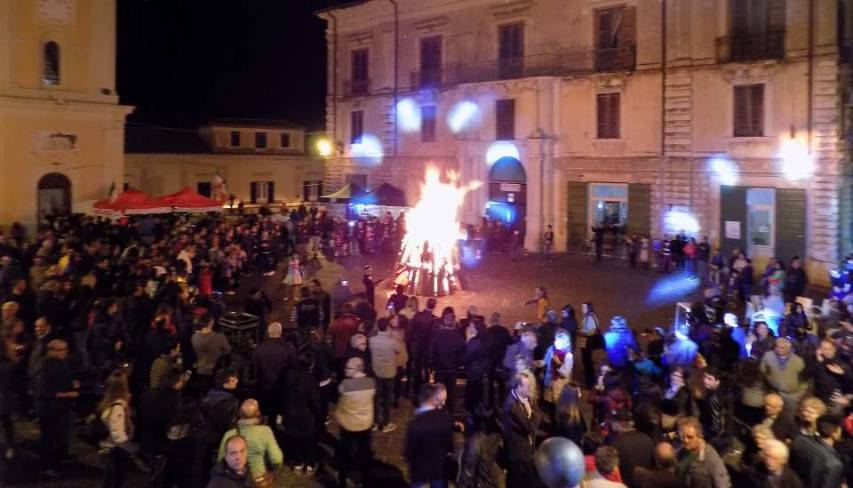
(494, 284)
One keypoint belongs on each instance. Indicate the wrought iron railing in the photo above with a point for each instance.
(751, 47)
(620, 58)
(356, 88)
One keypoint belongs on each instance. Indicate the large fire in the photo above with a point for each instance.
(429, 255)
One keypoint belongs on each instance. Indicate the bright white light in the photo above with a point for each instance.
(369, 147)
(324, 148)
(408, 115)
(724, 170)
(797, 163)
(501, 149)
(462, 115)
(680, 220)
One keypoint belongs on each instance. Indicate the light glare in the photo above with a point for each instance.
(797, 163)
(461, 116)
(408, 115)
(324, 148)
(681, 220)
(501, 149)
(724, 170)
(368, 147)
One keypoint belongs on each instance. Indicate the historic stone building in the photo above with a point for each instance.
(260, 161)
(725, 118)
(61, 125)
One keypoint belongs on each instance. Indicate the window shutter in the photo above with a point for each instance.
(756, 110)
(613, 124)
(740, 110)
(628, 28)
(253, 192)
(601, 115)
(270, 191)
(790, 223)
(732, 209)
(776, 14)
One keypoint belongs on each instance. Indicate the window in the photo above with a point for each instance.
(356, 126)
(261, 140)
(761, 206)
(505, 120)
(615, 37)
(359, 71)
(430, 62)
(312, 190)
(428, 123)
(757, 30)
(203, 188)
(262, 191)
(607, 112)
(235, 138)
(510, 50)
(51, 63)
(750, 17)
(285, 139)
(749, 111)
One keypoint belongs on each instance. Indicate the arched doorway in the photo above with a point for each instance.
(53, 195)
(508, 194)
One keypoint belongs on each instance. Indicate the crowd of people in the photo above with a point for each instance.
(119, 323)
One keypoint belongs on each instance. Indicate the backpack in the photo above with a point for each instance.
(95, 430)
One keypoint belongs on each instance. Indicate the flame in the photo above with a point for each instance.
(429, 256)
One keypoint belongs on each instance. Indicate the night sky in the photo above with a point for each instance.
(184, 62)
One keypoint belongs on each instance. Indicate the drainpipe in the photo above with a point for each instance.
(663, 78)
(810, 75)
(334, 139)
(396, 65)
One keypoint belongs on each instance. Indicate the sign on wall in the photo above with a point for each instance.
(732, 229)
(511, 187)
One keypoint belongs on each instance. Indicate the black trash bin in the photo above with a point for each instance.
(240, 328)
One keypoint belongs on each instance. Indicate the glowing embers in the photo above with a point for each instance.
(368, 147)
(429, 257)
(672, 288)
(797, 163)
(679, 219)
(408, 115)
(724, 170)
(462, 116)
(501, 149)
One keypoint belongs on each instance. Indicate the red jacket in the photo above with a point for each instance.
(341, 330)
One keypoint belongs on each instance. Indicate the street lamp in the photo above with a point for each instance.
(324, 147)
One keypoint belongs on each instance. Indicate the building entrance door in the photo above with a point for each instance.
(53, 195)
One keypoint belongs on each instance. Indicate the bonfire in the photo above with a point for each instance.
(429, 253)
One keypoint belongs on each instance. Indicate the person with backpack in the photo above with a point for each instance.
(115, 418)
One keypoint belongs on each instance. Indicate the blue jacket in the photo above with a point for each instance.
(617, 341)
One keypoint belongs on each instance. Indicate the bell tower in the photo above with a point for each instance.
(61, 125)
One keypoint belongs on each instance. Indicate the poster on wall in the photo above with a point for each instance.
(732, 229)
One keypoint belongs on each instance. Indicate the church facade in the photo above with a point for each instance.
(61, 124)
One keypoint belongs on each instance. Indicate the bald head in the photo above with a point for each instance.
(274, 330)
(249, 409)
(665, 455)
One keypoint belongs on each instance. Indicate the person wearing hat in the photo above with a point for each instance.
(634, 447)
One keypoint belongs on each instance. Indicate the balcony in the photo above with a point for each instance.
(621, 58)
(751, 47)
(426, 79)
(356, 88)
(510, 68)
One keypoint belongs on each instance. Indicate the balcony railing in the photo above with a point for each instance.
(621, 58)
(356, 88)
(431, 78)
(751, 47)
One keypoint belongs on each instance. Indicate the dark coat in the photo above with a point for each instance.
(447, 350)
(478, 359)
(221, 476)
(656, 478)
(219, 410)
(635, 450)
(519, 431)
(156, 411)
(270, 359)
(420, 331)
(817, 462)
(302, 407)
(759, 478)
(429, 439)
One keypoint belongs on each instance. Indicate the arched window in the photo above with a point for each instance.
(51, 63)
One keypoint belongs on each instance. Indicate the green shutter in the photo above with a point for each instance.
(639, 208)
(732, 209)
(790, 223)
(578, 202)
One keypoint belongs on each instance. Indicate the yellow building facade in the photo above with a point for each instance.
(61, 124)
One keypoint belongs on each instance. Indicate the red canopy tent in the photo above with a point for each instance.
(129, 202)
(187, 200)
